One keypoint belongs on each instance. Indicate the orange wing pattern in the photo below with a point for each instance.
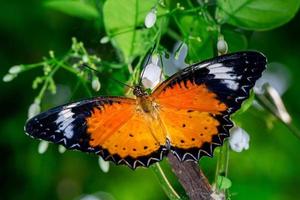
(111, 127)
(196, 103)
(192, 116)
(126, 135)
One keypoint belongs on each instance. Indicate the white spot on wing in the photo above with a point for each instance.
(231, 84)
(64, 121)
(220, 69)
(72, 105)
(69, 132)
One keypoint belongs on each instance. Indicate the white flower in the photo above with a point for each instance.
(239, 139)
(8, 77)
(15, 69)
(43, 146)
(61, 149)
(152, 73)
(34, 109)
(222, 46)
(176, 61)
(276, 75)
(104, 165)
(150, 18)
(96, 85)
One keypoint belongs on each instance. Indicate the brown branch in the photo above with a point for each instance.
(191, 178)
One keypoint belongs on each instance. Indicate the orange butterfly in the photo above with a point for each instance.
(187, 115)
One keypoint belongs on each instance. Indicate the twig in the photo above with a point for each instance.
(191, 178)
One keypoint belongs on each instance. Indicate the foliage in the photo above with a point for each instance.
(125, 44)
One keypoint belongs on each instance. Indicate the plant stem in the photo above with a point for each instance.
(166, 185)
(264, 102)
(222, 165)
(191, 178)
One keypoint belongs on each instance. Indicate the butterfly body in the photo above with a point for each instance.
(187, 115)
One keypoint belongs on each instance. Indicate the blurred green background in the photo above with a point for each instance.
(270, 169)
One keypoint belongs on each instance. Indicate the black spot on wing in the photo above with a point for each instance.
(207, 148)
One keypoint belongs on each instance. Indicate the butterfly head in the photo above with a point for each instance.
(139, 91)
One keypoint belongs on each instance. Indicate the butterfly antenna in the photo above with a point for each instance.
(120, 82)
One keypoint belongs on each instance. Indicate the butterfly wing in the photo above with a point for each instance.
(108, 126)
(195, 104)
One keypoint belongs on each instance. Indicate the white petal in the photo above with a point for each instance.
(150, 19)
(239, 139)
(151, 76)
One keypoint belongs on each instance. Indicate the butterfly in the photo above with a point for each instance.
(187, 115)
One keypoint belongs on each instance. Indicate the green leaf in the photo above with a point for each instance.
(198, 35)
(121, 19)
(236, 41)
(75, 8)
(256, 14)
(223, 183)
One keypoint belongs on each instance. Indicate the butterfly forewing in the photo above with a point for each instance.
(108, 126)
(196, 103)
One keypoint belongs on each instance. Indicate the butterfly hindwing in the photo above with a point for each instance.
(107, 126)
(196, 103)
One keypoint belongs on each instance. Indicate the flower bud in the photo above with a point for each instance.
(61, 149)
(51, 53)
(43, 146)
(15, 69)
(96, 85)
(8, 77)
(222, 46)
(104, 165)
(104, 40)
(150, 18)
(34, 109)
